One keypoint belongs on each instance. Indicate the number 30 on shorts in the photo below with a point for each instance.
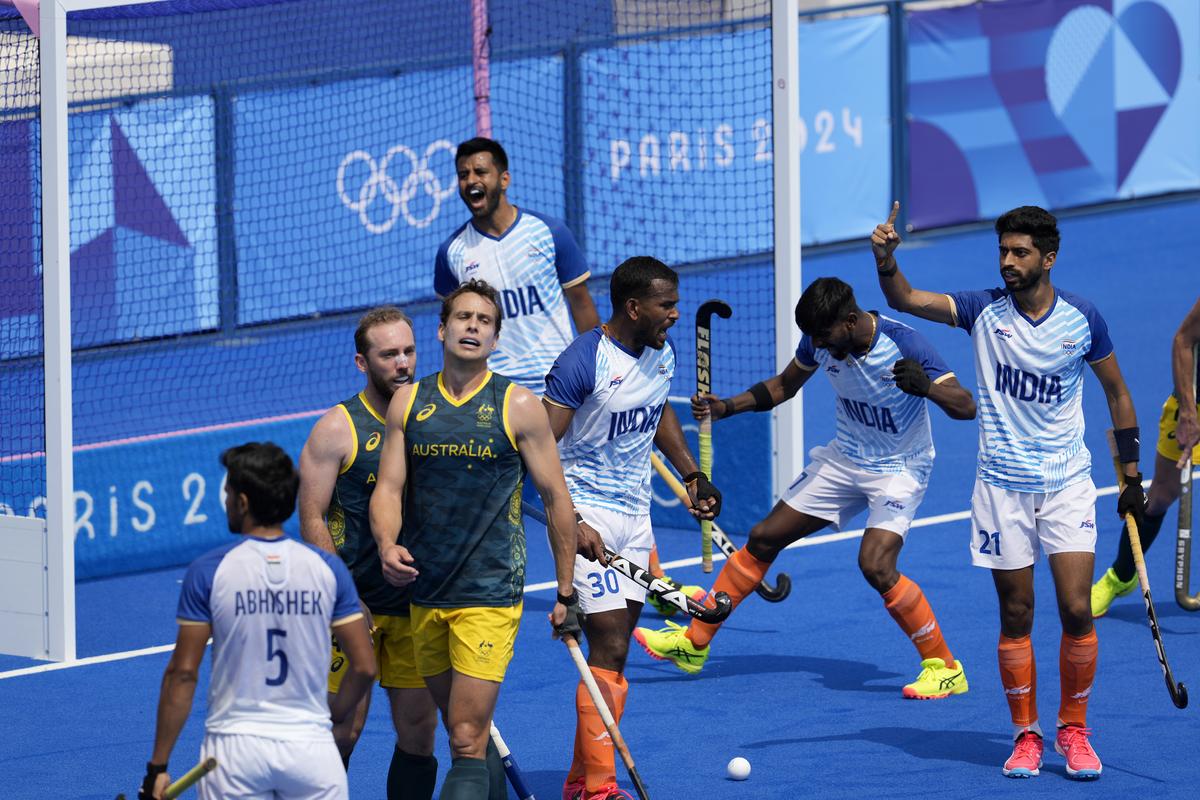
(990, 544)
(603, 582)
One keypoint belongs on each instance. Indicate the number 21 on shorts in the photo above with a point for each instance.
(990, 543)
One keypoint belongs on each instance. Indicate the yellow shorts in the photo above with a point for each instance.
(475, 641)
(395, 658)
(1168, 448)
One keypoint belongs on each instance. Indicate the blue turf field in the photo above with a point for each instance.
(807, 690)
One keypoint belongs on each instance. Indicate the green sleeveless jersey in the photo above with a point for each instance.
(348, 520)
(462, 507)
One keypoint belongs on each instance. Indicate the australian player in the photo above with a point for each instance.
(1033, 489)
(268, 603)
(606, 397)
(1177, 435)
(338, 470)
(882, 371)
(456, 450)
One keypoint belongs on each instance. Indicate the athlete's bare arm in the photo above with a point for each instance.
(950, 396)
(175, 696)
(782, 387)
(324, 455)
(1120, 404)
(539, 451)
(670, 440)
(386, 501)
(900, 295)
(583, 310)
(355, 641)
(590, 544)
(1183, 365)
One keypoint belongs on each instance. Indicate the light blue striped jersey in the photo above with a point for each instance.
(1030, 376)
(529, 265)
(618, 397)
(879, 427)
(270, 603)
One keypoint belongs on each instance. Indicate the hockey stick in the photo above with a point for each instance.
(187, 780)
(510, 767)
(589, 680)
(783, 582)
(703, 387)
(1183, 536)
(1178, 691)
(671, 594)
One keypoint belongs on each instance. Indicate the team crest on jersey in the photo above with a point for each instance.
(373, 441)
(474, 265)
(1069, 345)
(484, 416)
(426, 412)
(1003, 333)
(337, 526)
(662, 369)
(616, 381)
(485, 649)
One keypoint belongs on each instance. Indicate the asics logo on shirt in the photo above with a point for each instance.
(635, 420)
(521, 302)
(862, 412)
(1028, 386)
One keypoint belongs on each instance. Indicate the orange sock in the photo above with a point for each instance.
(594, 758)
(1077, 670)
(655, 568)
(1018, 674)
(907, 604)
(741, 573)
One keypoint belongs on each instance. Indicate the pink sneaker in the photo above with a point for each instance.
(1026, 758)
(574, 790)
(1082, 762)
(610, 791)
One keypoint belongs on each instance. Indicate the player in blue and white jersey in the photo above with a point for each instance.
(882, 372)
(1033, 489)
(268, 602)
(532, 260)
(606, 396)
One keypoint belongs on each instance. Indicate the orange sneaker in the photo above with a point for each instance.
(1082, 762)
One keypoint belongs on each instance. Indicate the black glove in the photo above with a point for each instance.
(572, 624)
(911, 378)
(152, 772)
(1133, 500)
(705, 491)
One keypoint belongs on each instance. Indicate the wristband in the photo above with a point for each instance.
(1128, 446)
(570, 599)
(762, 397)
(887, 273)
(578, 518)
(692, 476)
(155, 769)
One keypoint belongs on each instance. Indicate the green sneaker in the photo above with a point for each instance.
(670, 644)
(697, 593)
(1107, 589)
(937, 681)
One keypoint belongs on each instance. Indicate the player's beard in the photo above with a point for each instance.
(385, 387)
(1024, 282)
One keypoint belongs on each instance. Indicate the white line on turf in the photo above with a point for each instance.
(810, 541)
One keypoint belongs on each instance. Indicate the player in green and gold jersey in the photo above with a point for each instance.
(457, 447)
(338, 470)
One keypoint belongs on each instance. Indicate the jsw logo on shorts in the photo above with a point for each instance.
(1087, 524)
(521, 302)
(1028, 386)
(635, 420)
(894, 504)
(395, 180)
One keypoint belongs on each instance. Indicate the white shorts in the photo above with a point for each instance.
(1010, 530)
(603, 588)
(834, 488)
(258, 768)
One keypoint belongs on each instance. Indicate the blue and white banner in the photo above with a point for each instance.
(1054, 103)
(678, 142)
(344, 191)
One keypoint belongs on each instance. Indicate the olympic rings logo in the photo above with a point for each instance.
(379, 182)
